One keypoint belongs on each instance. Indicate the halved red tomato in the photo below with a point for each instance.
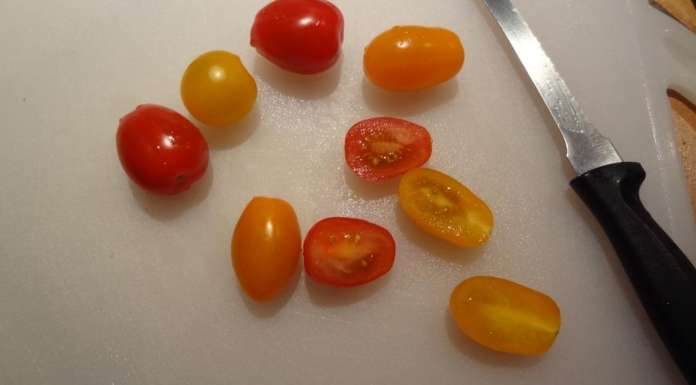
(382, 148)
(347, 252)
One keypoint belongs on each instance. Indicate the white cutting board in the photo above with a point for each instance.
(103, 284)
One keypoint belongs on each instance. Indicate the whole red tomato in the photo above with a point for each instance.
(302, 36)
(160, 150)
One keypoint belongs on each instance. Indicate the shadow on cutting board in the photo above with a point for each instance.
(269, 309)
(168, 207)
(324, 295)
(430, 244)
(306, 87)
(407, 103)
(625, 287)
(370, 190)
(220, 138)
(486, 356)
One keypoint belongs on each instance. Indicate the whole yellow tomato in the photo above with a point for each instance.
(266, 247)
(505, 316)
(412, 58)
(217, 89)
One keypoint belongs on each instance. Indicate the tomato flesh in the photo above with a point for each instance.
(217, 89)
(301, 36)
(505, 316)
(443, 207)
(411, 58)
(347, 252)
(383, 148)
(266, 247)
(160, 150)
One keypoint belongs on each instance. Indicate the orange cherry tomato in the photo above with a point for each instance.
(266, 247)
(505, 316)
(346, 252)
(382, 148)
(443, 207)
(412, 58)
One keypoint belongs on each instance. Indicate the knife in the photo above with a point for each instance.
(662, 276)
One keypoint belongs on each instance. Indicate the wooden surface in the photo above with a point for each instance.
(683, 110)
(682, 10)
(684, 115)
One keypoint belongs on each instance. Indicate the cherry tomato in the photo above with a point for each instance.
(347, 252)
(217, 89)
(160, 150)
(443, 207)
(302, 36)
(412, 58)
(505, 316)
(382, 148)
(266, 247)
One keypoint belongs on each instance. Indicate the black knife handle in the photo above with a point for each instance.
(661, 274)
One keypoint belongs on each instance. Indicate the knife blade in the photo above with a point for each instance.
(662, 276)
(586, 148)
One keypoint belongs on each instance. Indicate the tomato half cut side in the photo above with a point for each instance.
(505, 316)
(346, 252)
(443, 207)
(384, 147)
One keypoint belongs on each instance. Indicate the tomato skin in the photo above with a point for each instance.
(301, 36)
(505, 316)
(412, 58)
(217, 90)
(345, 252)
(383, 148)
(266, 247)
(160, 150)
(444, 208)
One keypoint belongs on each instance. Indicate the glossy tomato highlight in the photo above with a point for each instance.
(160, 150)
(301, 36)
(412, 58)
(266, 247)
(217, 89)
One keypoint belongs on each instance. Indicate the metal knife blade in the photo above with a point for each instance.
(661, 274)
(587, 149)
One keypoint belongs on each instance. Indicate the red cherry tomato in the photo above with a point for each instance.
(382, 148)
(160, 150)
(346, 252)
(302, 36)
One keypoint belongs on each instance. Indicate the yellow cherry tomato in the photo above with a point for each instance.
(443, 207)
(217, 89)
(505, 316)
(412, 58)
(266, 247)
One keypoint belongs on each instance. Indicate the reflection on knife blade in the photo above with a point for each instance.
(586, 147)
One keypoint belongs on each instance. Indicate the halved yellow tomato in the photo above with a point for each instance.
(266, 247)
(505, 316)
(443, 207)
